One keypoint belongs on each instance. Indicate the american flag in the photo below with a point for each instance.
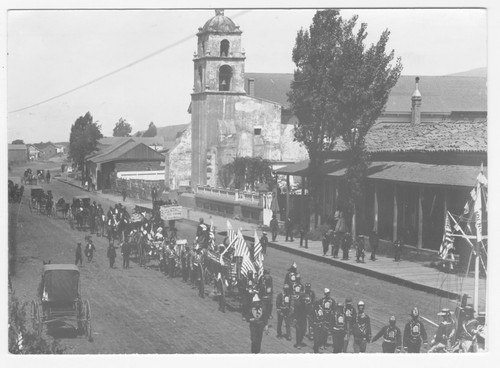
(241, 250)
(230, 232)
(211, 234)
(258, 255)
(447, 243)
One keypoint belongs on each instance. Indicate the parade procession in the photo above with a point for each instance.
(334, 201)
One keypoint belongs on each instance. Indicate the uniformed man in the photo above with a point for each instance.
(202, 233)
(300, 318)
(258, 324)
(171, 257)
(328, 305)
(319, 326)
(308, 292)
(185, 263)
(266, 294)
(346, 246)
(249, 290)
(197, 264)
(264, 241)
(360, 249)
(392, 337)
(362, 329)
(350, 317)
(414, 333)
(283, 306)
(338, 328)
(398, 249)
(444, 334)
(469, 331)
(291, 275)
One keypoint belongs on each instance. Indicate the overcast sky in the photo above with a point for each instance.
(52, 52)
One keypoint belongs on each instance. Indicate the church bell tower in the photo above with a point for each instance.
(218, 79)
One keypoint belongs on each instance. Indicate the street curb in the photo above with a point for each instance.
(337, 263)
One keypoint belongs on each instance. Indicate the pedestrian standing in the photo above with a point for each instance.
(274, 227)
(398, 249)
(328, 306)
(288, 229)
(78, 254)
(124, 194)
(258, 324)
(350, 317)
(360, 250)
(338, 328)
(111, 254)
(264, 241)
(414, 333)
(48, 177)
(126, 254)
(346, 246)
(266, 293)
(89, 249)
(304, 230)
(319, 326)
(392, 337)
(373, 244)
(337, 238)
(362, 330)
(325, 242)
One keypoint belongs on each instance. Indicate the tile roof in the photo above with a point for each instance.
(456, 136)
(439, 93)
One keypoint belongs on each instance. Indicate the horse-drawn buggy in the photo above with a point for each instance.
(59, 300)
(80, 212)
(62, 207)
(37, 200)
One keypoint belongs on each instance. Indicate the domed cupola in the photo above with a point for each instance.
(220, 24)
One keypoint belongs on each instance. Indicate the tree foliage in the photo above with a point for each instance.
(247, 173)
(340, 88)
(151, 132)
(23, 340)
(83, 138)
(18, 141)
(122, 129)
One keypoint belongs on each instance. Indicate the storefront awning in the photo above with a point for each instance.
(419, 173)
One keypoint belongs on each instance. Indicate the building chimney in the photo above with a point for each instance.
(416, 103)
(251, 87)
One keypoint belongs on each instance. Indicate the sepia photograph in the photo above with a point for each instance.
(247, 180)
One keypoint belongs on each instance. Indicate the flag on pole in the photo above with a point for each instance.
(447, 243)
(211, 236)
(258, 255)
(478, 212)
(230, 232)
(240, 246)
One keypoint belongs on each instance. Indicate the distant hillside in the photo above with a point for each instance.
(170, 133)
(478, 72)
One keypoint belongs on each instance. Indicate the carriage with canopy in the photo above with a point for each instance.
(59, 300)
(80, 212)
(38, 200)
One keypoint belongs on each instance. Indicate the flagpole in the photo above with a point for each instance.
(476, 280)
(229, 246)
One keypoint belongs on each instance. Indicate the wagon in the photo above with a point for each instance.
(59, 300)
(37, 196)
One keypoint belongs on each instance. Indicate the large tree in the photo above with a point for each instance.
(83, 139)
(18, 141)
(122, 129)
(151, 132)
(340, 88)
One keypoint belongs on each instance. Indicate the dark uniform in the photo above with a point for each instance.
(346, 246)
(309, 306)
(264, 241)
(171, 257)
(360, 250)
(468, 331)
(300, 318)
(338, 328)
(111, 255)
(283, 306)
(288, 229)
(266, 294)
(398, 249)
(258, 324)
(202, 234)
(197, 272)
(319, 326)
(291, 276)
(362, 329)
(350, 317)
(249, 290)
(185, 263)
(328, 306)
(414, 334)
(392, 337)
(274, 228)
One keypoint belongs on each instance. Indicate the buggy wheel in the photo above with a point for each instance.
(87, 323)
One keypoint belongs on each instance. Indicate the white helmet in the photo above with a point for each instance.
(361, 303)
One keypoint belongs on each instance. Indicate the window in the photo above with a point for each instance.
(224, 48)
(257, 131)
(225, 74)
